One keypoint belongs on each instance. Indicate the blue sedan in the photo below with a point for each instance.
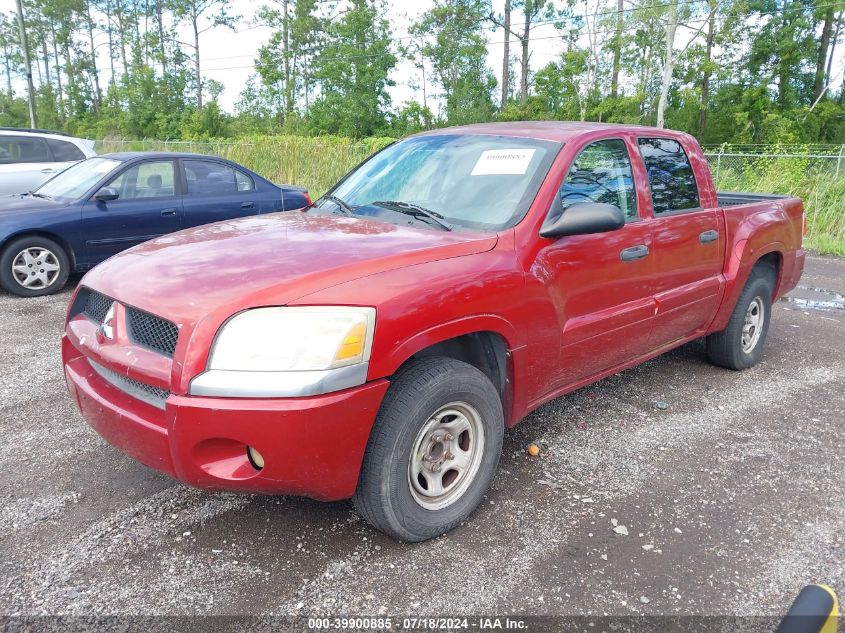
(106, 204)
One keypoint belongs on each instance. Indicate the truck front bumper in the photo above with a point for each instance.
(310, 446)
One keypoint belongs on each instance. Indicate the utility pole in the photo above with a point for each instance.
(27, 66)
(506, 58)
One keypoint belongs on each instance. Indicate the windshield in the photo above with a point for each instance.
(475, 181)
(76, 180)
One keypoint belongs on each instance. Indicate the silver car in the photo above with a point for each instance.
(30, 157)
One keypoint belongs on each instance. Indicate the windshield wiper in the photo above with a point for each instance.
(341, 204)
(35, 194)
(415, 210)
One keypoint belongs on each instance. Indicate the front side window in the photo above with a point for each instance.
(601, 173)
(206, 177)
(154, 179)
(670, 176)
(77, 179)
(245, 182)
(472, 181)
(22, 149)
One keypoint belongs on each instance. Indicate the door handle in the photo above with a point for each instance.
(634, 253)
(247, 205)
(168, 212)
(708, 236)
(49, 170)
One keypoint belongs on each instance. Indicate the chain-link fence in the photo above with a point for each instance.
(728, 166)
(734, 159)
(316, 163)
(814, 173)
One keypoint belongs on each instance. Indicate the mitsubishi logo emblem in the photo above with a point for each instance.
(107, 328)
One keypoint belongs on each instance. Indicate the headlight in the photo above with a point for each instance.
(294, 339)
(289, 352)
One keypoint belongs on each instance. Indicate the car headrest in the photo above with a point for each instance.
(154, 181)
(215, 176)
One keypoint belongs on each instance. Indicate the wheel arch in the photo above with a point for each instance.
(42, 233)
(744, 261)
(770, 265)
(485, 343)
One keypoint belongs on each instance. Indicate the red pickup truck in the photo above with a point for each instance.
(377, 344)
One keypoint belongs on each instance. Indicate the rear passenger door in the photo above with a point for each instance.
(689, 244)
(215, 191)
(148, 205)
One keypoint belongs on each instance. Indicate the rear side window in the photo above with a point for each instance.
(673, 186)
(22, 149)
(63, 151)
(207, 177)
(601, 173)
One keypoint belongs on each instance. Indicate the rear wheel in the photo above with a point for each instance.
(740, 344)
(33, 266)
(433, 450)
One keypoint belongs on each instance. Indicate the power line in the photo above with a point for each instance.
(608, 31)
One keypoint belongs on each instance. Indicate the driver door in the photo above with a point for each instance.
(603, 282)
(147, 206)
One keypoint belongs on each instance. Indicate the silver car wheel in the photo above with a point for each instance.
(753, 326)
(446, 456)
(36, 268)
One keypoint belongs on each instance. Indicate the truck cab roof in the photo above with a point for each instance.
(560, 131)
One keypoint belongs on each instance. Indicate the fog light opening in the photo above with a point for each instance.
(255, 458)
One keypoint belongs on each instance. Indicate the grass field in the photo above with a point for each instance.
(822, 191)
(317, 163)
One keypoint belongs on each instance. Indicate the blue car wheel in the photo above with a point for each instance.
(33, 266)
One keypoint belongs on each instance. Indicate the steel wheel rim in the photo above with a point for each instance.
(446, 456)
(752, 329)
(36, 268)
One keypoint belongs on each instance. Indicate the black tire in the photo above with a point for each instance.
(385, 496)
(10, 283)
(725, 348)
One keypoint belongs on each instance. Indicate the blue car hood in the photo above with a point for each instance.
(19, 205)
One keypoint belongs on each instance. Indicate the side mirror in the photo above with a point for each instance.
(582, 218)
(106, 194)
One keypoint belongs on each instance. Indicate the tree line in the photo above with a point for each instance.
(728, 71)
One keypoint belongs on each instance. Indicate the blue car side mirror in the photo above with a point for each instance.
(106, 194)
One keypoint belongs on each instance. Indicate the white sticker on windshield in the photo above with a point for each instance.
(497, 162)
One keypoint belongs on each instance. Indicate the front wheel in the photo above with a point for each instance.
(433, 450)
(33, 266)
(740, 344)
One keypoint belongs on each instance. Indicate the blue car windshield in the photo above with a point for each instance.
(76, 180)
(475, 182)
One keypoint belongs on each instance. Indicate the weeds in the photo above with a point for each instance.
(822, 191)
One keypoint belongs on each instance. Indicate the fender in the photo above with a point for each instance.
(738, 268)
(445, 331)
(515, 396)
(71, 254)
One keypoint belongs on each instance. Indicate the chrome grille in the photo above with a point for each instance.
(155, 396)
(143, 328)
(92, 304)
(151, 331)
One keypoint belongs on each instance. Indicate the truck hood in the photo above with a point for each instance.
(216, 270)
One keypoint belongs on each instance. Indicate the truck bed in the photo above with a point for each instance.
(734, 198)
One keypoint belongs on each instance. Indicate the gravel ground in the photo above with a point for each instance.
(726, 502)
